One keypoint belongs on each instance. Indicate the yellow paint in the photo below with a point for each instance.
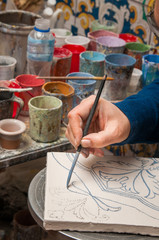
(143, 29)
(66, 9)
(84, 20)
(133, 9)
(150, 5)
(91, 4)
(81, 4)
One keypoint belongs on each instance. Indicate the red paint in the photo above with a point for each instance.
(13, 84)
(29, 80)
(62, 52)
(76, 50)
(128, 37)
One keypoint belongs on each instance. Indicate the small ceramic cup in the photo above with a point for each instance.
(134, 80)
(10, 133)
(120, 67)
(45, 118)
(64, 92)
(7, 67)
(94, 63)
(110, 44)
(78, 40)
(25, 81)
(60, 35)
(61, 64)
(83, 88)
(7, 103)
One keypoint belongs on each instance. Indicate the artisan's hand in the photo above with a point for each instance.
(109, 125)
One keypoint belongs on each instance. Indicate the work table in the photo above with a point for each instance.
(30, 149)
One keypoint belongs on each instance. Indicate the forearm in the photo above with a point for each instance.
(142, 111)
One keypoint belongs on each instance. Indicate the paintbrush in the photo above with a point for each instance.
(6, 89)
(86, 128)
(75, 78)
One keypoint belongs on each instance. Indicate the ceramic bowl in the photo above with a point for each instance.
(60, 35)
(10, 133)
(78, 40)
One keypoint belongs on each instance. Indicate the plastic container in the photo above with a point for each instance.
(40, 48)
(76, 50)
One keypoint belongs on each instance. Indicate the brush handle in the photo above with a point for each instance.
(91, 114)
(75, 78)
(14, 89)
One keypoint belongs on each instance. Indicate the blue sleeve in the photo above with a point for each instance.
(142, 111)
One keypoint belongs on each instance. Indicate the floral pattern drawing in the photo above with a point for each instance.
(104, 190)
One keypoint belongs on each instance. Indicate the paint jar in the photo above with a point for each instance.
(10, 133)
(27, 81)
(120, 67)
(127, 37)
(96, 34)
(25, 227)
(137, 50)
(7, 67)
(83, 88)
(108, 25)
(110, 44)
(45, 118)
(76, 50)
(7, 101)
(14, 30)
(150, 68)
(61, 64)
(94, 63)
(60, 35)
(64, 92)
(78, 40)
(135, 80)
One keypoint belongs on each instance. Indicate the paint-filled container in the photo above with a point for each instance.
(7, 67)
(29, 81)
(64, 92)
(150, 68)
(15, 25)
(127, 37)
(83, 88)
(45, 118)
(120, 67)
(110, 44)
(94, 63)
(76, 50)
(137, 50)
(96, 34)
(61, 64)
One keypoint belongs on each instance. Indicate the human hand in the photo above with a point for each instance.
(109, 125)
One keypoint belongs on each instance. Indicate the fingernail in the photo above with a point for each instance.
(86, 143)
(99, 154)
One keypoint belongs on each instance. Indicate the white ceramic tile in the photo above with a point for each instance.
(114, 194)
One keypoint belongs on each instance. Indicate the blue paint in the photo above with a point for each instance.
(119, 60)
(120, 67)
(93, 56)
(150, 68)
(93, 62)
(83, 88)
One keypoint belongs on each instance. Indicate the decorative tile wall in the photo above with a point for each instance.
(130, 16)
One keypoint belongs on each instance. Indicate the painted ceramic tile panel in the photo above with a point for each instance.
(105, 194)
(129, 15)
(69, 8)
